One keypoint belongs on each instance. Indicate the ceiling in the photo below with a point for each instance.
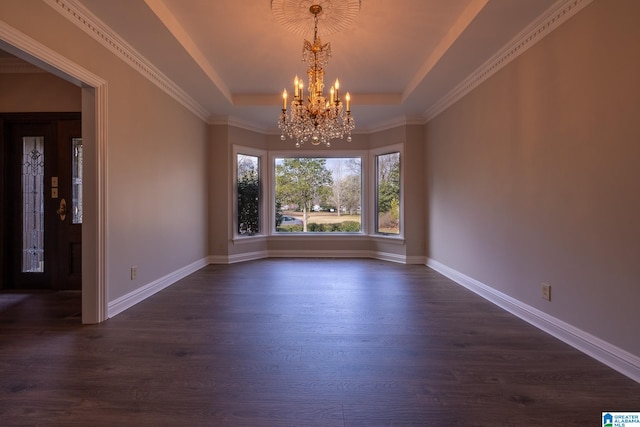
(397, 58)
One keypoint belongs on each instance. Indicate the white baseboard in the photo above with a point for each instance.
(318, 254)
(219, 259)
(383, 256)
(386, 256)
(422, 260)
(251, 256)
(620, 360)
(119, 305)
(247, 256)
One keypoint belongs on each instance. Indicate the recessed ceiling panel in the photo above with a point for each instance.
(396, 57)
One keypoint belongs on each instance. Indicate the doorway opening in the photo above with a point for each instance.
(94, 140)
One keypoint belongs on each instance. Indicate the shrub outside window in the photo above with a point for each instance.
(248, 194)
(388, 193)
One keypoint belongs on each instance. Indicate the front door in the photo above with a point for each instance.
(42, 196)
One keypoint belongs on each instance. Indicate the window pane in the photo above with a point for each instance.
(388, 193)
(248, 194)
(33, 204)
(76, 180)
(318, 194)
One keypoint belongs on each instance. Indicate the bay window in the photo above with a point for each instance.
(318, 193)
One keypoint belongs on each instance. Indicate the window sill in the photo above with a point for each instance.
(320, 235)
(396, 239)
(392, 239)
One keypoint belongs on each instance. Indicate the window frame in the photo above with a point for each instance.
(277, 154)
(373, 182)
(262, 175)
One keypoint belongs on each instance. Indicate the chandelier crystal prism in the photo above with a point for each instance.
(317, 119)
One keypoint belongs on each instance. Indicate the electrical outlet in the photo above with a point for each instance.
(546, 291)
(134, 272)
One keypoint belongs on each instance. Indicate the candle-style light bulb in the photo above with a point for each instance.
(295, 84)
(337, 86)
(284, 99)
(332, 91)
(348, 98)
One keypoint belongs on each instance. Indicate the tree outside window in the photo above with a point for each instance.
(318, 194)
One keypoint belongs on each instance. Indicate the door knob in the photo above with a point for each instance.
(62, 210)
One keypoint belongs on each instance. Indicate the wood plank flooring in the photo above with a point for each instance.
(297, 342)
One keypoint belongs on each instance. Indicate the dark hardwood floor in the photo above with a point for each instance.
(297, 342)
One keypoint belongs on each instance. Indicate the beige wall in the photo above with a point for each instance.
(37, 92)
(156, 217)
(219, 176)
(414, 192)
(157, 184)
(533, 177)
(222, 138)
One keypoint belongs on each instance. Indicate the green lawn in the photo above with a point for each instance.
(331, 218)
(325, 217)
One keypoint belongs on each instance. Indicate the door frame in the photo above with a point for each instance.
(94, 135)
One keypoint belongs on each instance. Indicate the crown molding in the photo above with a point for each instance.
(99, 31)
(386, 125)
(551, 19)
(235, 122)
(394, 123)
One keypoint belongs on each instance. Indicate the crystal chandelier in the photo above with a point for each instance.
(316, 119)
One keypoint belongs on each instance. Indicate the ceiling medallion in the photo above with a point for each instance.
(335, 15)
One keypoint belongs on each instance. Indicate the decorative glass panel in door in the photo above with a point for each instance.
(33, 204)
(76, 180)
